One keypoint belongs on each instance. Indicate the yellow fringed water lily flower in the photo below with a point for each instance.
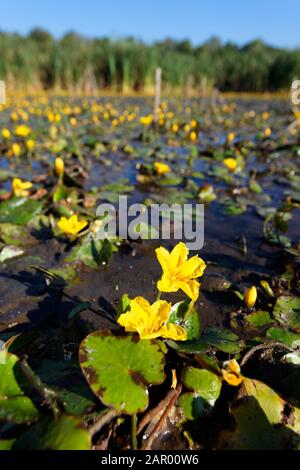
(6, 133)
(193, 136)
(16, 150)
(146, 120)
(230, 137)
(231, 373)
(22, 131)
(161, 168)
(151, 321)
(179, 272)
(267, 132)
(71, 226)
(250, 296)
(30, 145)
(231, 163)
(59, 166)
(20, 188)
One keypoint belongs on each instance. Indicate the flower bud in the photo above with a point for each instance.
(59, 166)
(250, 297)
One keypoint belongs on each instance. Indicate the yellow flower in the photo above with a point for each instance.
(179, 272)
(146, 120)
(6, 133)
(161, 168)
(265, 115)
(72, 225)
(16, 150)
(232, 373)
(250, 297)
(14, 116)
(193, 136)
(267, 132)
(231, 163)
(73, 121)
(59, 166)
(230, 137)
(30, 144)
(20, 188)
(151, 321)
(22, 131)
(175, 128)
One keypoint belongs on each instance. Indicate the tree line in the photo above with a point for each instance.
(75, 62)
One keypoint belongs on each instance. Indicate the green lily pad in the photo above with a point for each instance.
(6, 444)
(14, 234)
(169, 181)
(185, 315)
(19, 211)
(120, 368)
(65, 433)
(70, 387)
(287, 312)
(88, 252)
(222, 339)
(255, 187)
(259, 318)
(15, 406)
(261, 409)
(193, 406)
(203, 382)
(284, 336)
(189, 347)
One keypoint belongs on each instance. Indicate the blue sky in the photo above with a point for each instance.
(275, 21)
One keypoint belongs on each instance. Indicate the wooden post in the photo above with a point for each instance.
(2, 92)
(157, 94)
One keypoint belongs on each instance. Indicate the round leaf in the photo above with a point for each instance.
(287, 312)
(19, 211)
(202, 381)
(14, 405)
(119, 369)
(66, 433)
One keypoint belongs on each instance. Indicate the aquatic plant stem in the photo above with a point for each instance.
(47, 394)
(158, 296)
(105, 419)
(174, 395)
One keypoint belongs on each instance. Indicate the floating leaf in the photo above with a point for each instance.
(222, 339)
(259, 318)
(261, 409)
(192, 405)
(6, 444)
(88, 253)
(287, 312)
(185, 315)
(203, 382)
(65, 433)
(19, 211)
(119, 369)
(14, 234)
(15, 406)
(284, 336)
